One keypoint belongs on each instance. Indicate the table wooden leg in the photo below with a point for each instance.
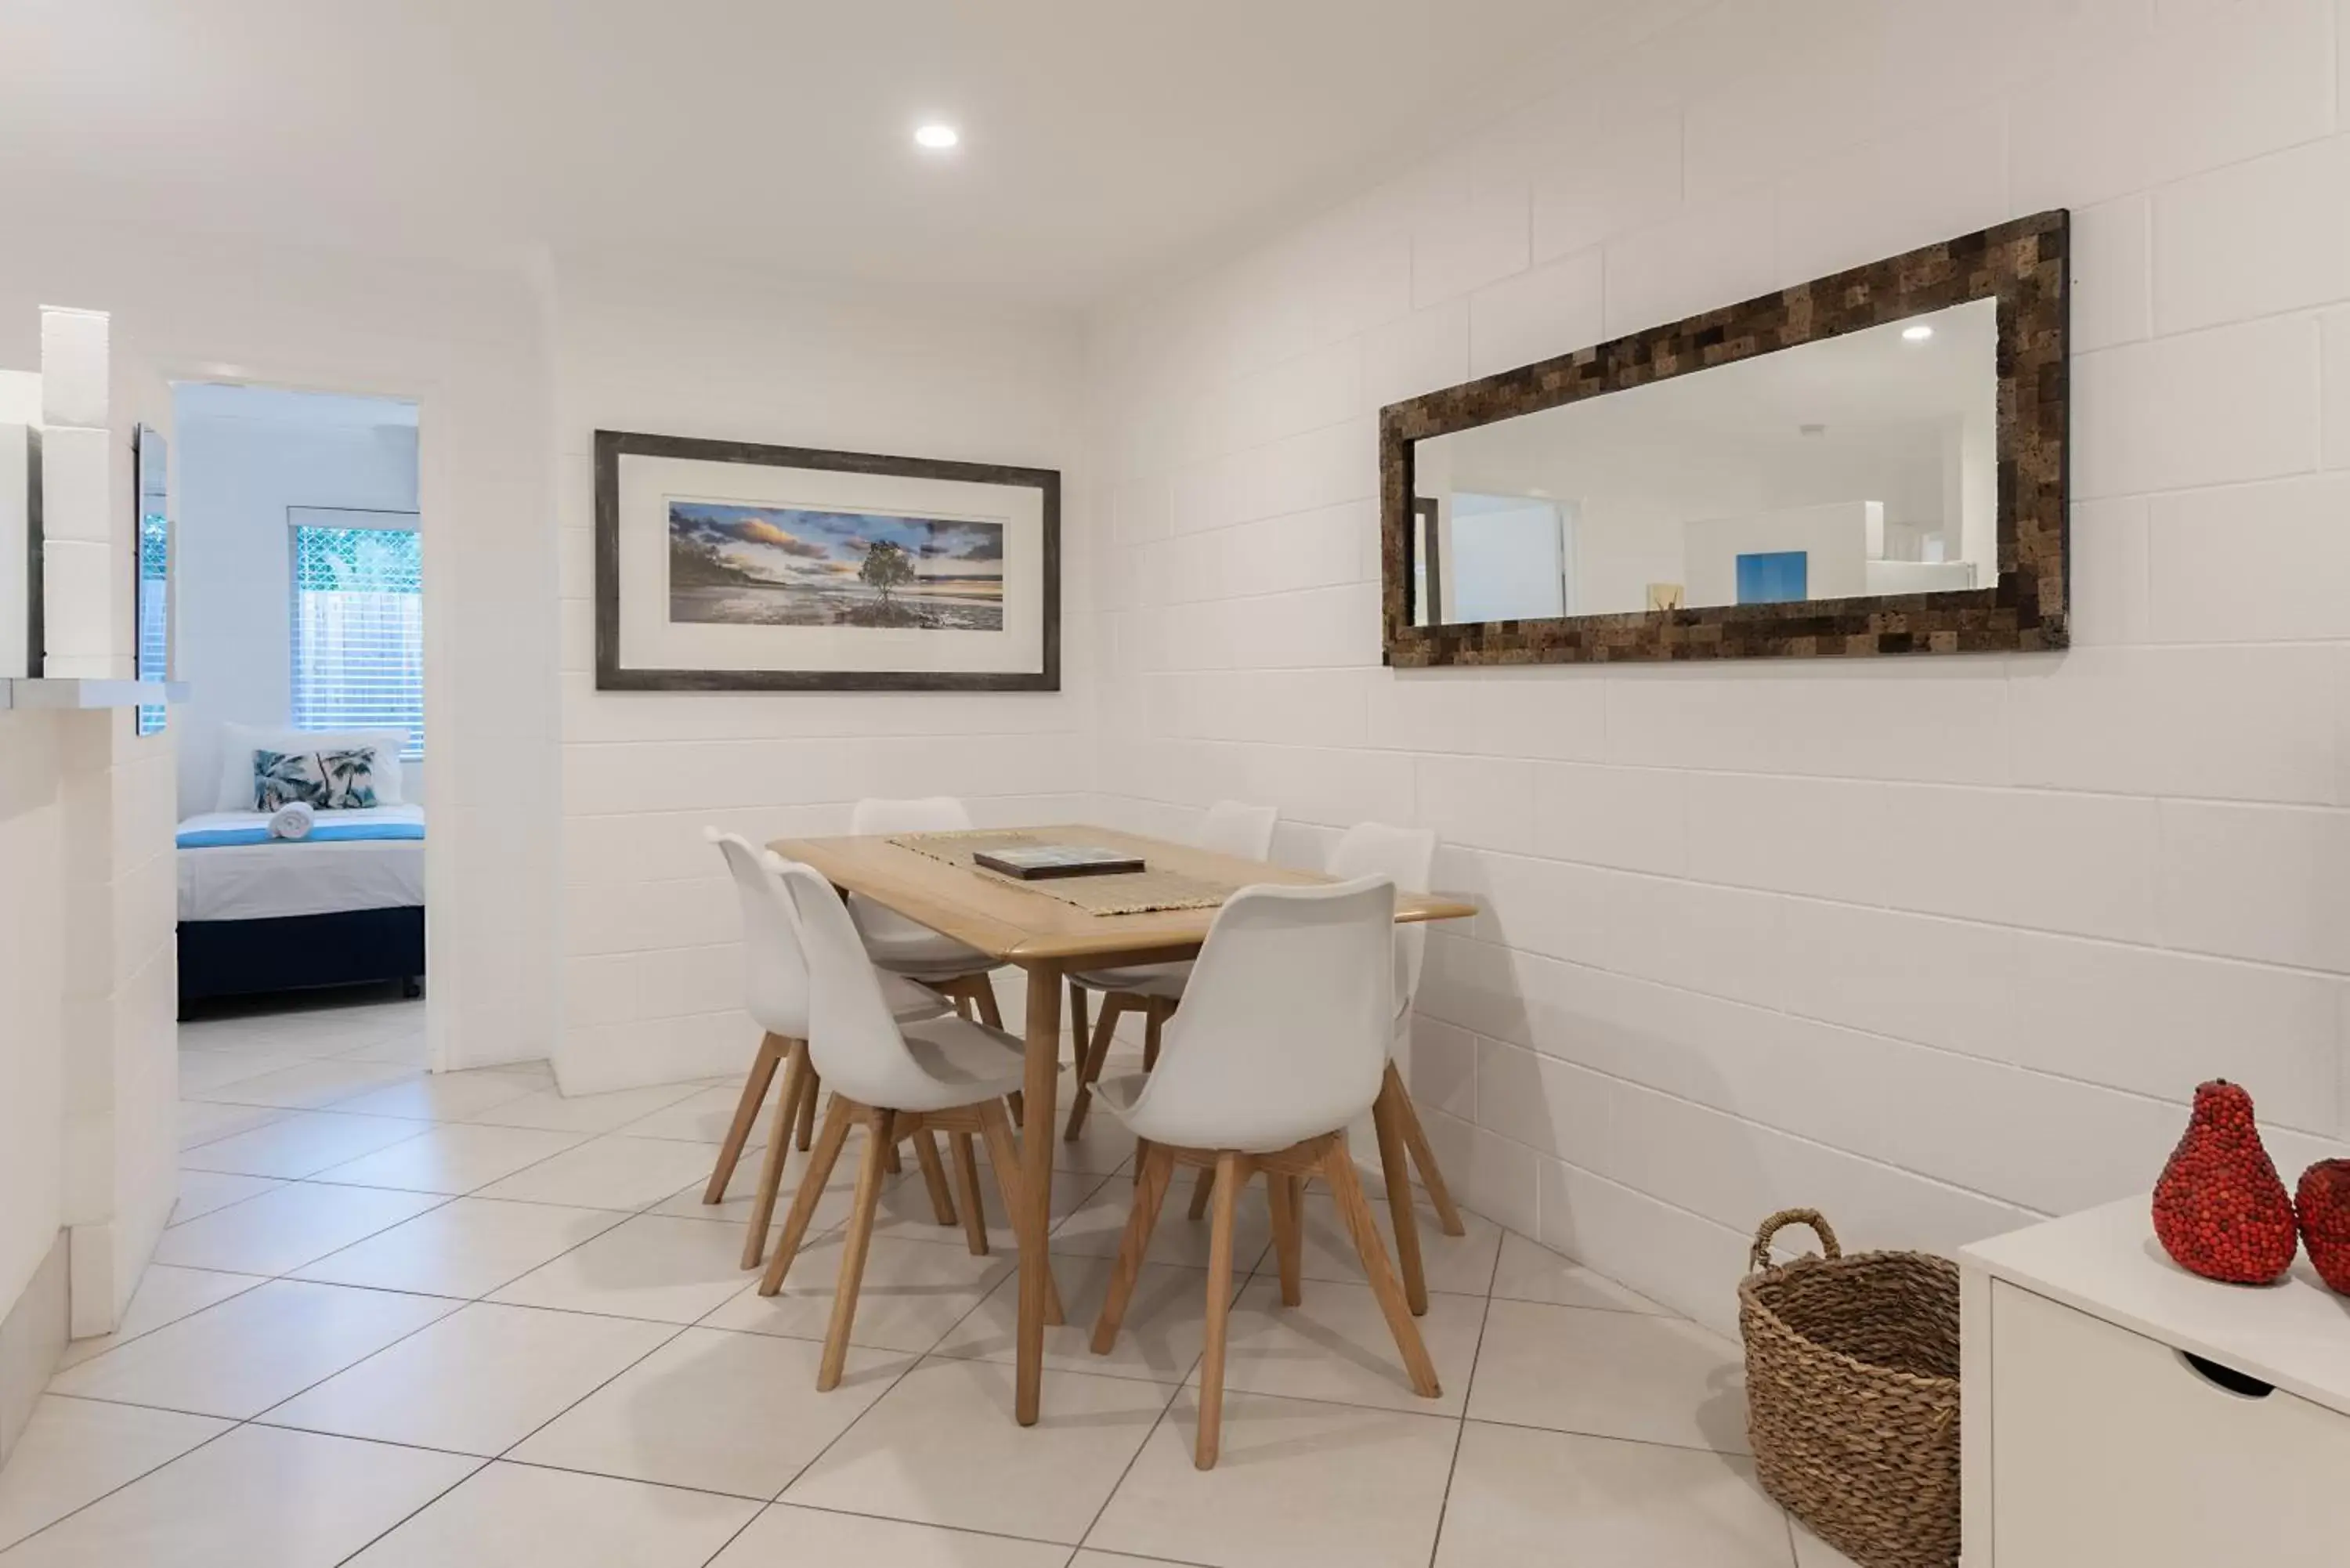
(1044, 1072)
(1387, 1120)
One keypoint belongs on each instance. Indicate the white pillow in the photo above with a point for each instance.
(239, 742)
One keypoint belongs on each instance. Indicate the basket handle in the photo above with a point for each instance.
(1759, 1258)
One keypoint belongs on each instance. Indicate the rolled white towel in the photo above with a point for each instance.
(293, 820)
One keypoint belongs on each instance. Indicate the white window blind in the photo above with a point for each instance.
(154, 621)
(358, 630)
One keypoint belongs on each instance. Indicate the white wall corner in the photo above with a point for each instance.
(32, 1333)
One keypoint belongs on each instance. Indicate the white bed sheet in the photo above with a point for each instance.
(267, 881)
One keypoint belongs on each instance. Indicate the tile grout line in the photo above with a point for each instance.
(676, 1332)
(288, 1278)
(134, 1480)
(1097, 1183)
(239, 1423)
(1460, 1433)
(913, 1363)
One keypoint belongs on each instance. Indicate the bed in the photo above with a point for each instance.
(342, 907)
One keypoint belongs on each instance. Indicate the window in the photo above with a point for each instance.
(154, 574)
(154, 624)
(359, 629)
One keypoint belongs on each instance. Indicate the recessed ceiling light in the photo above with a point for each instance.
(1918, 334)
(938, 137)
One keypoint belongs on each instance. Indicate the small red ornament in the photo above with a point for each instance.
(2323, 1206)
(2219, 1208)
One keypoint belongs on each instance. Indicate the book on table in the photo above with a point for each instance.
(1056, 860)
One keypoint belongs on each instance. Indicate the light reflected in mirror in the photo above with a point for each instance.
(1855, 466)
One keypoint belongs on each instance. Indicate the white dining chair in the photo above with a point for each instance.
(1407, 855)
(897, 1080)
(775, 995)
(906, 947)
(1281, 1043)
(1229, 828)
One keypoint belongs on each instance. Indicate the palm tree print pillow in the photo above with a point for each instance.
(281, 778)
(327, 781)
(350, 778)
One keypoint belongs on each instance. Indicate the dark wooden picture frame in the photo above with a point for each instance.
(611, 676)
(2022, 264)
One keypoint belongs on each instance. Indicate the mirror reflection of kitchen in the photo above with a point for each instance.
(1857, 466)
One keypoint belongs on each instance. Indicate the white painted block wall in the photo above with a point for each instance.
(1935, 946)
(119, 979)
(468, 345)
(651, 968)
(32, 1048)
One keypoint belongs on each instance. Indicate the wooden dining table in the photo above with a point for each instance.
(1028, 928)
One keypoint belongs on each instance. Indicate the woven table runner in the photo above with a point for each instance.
(1121, 893)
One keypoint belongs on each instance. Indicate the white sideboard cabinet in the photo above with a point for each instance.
(2121, 1413)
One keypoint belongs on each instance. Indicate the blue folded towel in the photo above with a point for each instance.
(326, 832)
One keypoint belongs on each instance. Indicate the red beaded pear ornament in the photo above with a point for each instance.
(2219, 1208)
(2324, 1205)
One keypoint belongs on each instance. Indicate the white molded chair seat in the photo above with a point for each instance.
(894, 942)
(904, 947)
(1160, 979)
(909, 1001)
(1120, 1092)
(965, 1061)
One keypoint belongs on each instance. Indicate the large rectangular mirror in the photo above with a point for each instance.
(1872, 463)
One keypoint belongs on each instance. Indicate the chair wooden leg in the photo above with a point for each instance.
(1003, 1154)
(975, 1215)
(891, 1163)
(1096, 1053)
(1203, 1187)
(1338, 1169)
(1394, 1165)
(934, 1176)
(836, 1117)
(1415, 1141)
(1231, 1174)
(1154, 1015)
(983, 996)
(1157, 1168)
(1288, 1240)
(1080, 1033)
(854, 1246)
(747, 1116)
(779, 1143)
(807, 1107)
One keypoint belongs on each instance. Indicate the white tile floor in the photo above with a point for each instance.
(461, 1320)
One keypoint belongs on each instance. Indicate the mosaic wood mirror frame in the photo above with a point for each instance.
(2022, 264)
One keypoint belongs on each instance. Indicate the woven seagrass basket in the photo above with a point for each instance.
(1852, 1394)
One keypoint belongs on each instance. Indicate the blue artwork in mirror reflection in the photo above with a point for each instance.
(1774, 577)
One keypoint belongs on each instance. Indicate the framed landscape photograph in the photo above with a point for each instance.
(729, 566)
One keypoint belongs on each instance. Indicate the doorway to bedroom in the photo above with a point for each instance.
(297, 586)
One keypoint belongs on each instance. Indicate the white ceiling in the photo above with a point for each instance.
(1103, 139)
